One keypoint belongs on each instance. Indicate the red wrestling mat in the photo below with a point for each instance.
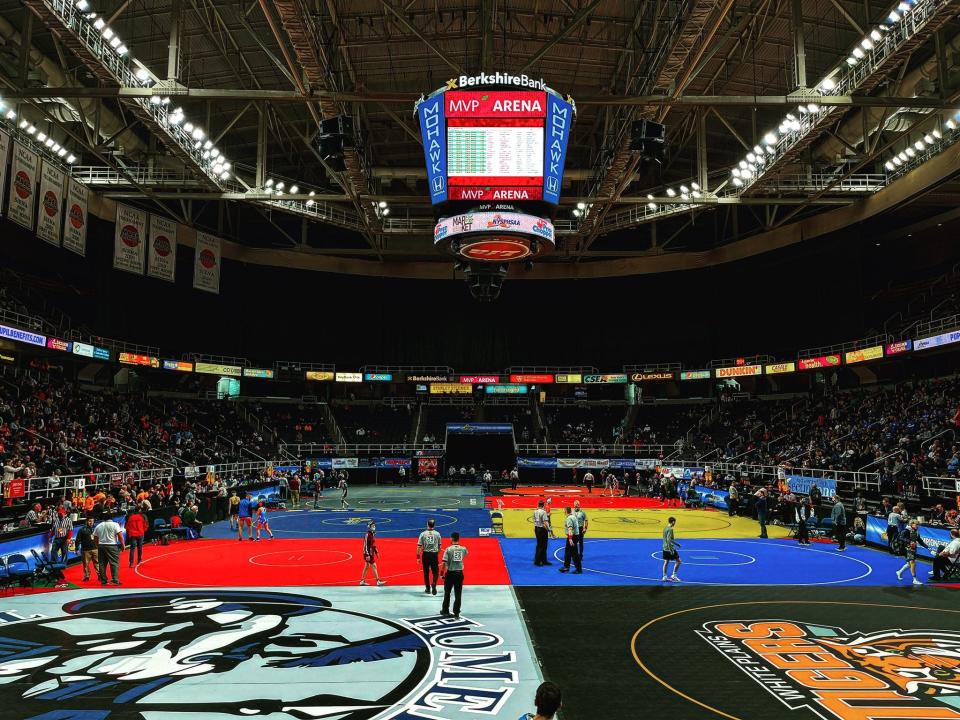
(278, 563)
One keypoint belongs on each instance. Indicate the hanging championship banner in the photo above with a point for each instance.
(128, 241)
(162, 253)
(4, 156)
(50, 212)
(75, 225)
(206, 263)
(22, 186)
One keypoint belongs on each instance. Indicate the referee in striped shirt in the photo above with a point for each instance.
(541, 523)
(428, 553)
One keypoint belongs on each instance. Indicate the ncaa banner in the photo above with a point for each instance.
(206, 263)
(162, 253)
(22, 186)
(75, 223)
(341, 463)
(50, 212)
(128, 241)
(4, 157)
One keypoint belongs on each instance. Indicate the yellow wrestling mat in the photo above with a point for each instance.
(628, 523)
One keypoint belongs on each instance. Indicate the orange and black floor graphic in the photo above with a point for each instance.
(750, 654)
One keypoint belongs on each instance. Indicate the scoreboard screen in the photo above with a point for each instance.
(495, 145)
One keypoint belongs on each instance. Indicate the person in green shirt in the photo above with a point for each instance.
(670, 552)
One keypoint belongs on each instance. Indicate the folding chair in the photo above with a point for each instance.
(951, 571)
(19, 569)
(46, 571)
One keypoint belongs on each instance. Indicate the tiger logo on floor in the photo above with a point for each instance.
(843, 675)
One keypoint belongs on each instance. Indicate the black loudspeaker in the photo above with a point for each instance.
(649, 139)
(335, 134)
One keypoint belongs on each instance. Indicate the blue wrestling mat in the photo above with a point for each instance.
(709, 562)
(350, 523)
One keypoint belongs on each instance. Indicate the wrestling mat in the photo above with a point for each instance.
(649, 523)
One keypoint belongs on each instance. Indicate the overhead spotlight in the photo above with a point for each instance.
(188, 127)
(383, 204)
(735, 172)
(280, 185)
(671, 192)
(61, 152)
(71, 159)
(56, 147)
(918, 144)
(751, 157)
(142, 75)
(893, 16)
(294, 189)
(11, 114)
(928, 139)
(791, 117)
(217, 168)
(197, 134)
(757, 149)
(936, 133)
(174, 118)
(268, 183)
(910, 152)
(904, 8)
(651, 206)
(769, 139)
(107, 33)
(154, 99)
(115, 42)
(207, 145)
(695, 186)
(875, 35)
(858, 53)
(386, 211)
(99, 23)
(576, 212)
(224, 175)
(828, 84)
(122, 50)
(309, 202)
(215, 152)
(82, 5)
(41, 137)
(31, 129)
(802, 109)
(48, 142)
(696, 193)
(23, 124)
(737, 182)
(889, 165)
(812, 108)
(897, 161)
(206, 154)
(903, 156)
(866, 44)
(226, 166)
(851, 60)
(581, 206)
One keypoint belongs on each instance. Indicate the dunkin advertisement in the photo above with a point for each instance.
(75, 222)
(129, 249)
(23, 186)
(50, 210)
(206, 265)
(162, 253)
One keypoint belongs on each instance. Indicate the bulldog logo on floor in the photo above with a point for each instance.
(843, 675)
(151, 655)
(242, 654)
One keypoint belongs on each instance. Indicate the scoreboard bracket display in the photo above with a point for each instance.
(495, 147)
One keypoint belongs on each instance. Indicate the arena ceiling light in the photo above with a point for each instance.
(873, 47)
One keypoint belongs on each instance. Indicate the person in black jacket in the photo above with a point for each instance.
(87, 547)
(762, 507)
(804, 511)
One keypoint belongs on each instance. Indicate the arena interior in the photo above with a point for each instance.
(448, 359)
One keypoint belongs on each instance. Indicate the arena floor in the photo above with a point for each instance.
(214, 628)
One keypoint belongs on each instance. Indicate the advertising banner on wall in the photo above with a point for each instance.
(801, 485)
(4, 157)
(130, 232)
(75, 224)
(739, 371)
(50, 210)
(815, 363)
(206, 263)
(162, 254)
(23, 183)
(899, 347)
(779, 368)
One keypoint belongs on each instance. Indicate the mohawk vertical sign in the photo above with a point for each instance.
(130, 232)
(23, 183)
(75, 223)
(162, 255)
(206, 263)
(50, 211)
